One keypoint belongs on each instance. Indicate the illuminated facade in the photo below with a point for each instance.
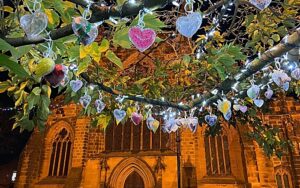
(72, 154)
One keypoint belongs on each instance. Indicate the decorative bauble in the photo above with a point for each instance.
(261, 4)
(85, 100)
(211, 120)
(100, 105)
(258, 102)
(57, 75)
(34, 24)
(119, 115)
(76, 85)
(136, 118)
(45, 66)
(84, 30)
(189, 25)
(253, 91)
(296, 74)
(141, 38)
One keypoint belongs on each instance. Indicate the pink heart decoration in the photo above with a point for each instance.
(141, 38)
(136, 118)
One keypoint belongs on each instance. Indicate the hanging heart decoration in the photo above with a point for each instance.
(34, 24)
(211, 120)
(243, 108)
(119, 115)
(269, 93)
(258, 102)
(136, 118)
(57, 75)
(253, 91)
(224, 105)
(84, 30)
(296, 74)
(76, 85)
(141, 38)
(189, 25)
(100, 105)
(85, 100)
(236, 107)
(261, 4)
(192, 123)
(227, 115)
(170, 125)
(286, 86)
(280, 78)
(152, 124)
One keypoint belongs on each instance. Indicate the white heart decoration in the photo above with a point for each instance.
(192, 123)
(34, 24)
(261, 4)
(253, 91)
(236, 107)
(76, 85)
(258, 102)
(100, 105)
(119, 115)
(189, 25)
(296, 74)
(280, 78)
(85, 100)
(84, 30)
(269, 93)
(170, 125)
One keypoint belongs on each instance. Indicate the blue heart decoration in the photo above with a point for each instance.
(211, 120)
(192, 123)
(286, 86)
(258, 102)
(261, 4)
(119, 115)
(227, 115)
(253, 91)
(100, 105)
(189, 25)
(85, 100)
(296, 74)
(76, 85)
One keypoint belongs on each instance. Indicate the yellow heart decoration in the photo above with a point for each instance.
(224, 105)
(155, 125)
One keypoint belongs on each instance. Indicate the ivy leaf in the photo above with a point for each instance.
(36, 91)
(103, 121)
(110, 55)
(13, 66)
(32, 100)
(53, 18)
(26, 124)
(121, 38)
(4, 86)
(104, 45)
(83, 65)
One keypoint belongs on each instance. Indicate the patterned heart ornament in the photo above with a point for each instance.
(269, 93)
(141, 38)
(243, 108)
(296, 74)
(227, 115)
(261, 4)
(280, 78)
(192, 123)
(152, 124)
(224, 105)
(253, 91)
(136, 118)
(100, 105)
(119, 115)
(84, 30)
(85, 100)
(170, 125)
(34, 24)
(189, 25)
(258, 102)
(76, 85)
(211, 120)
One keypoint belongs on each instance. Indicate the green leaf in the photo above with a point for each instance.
(226, 60)
(36, 91)
(121, 38)
(275, 37)
(221, 71)
(143, 80)
(151, 21)
(13, 66)
(83, 65)
(104, 45)
(4, 86)
(53, 18)
(113, 58)
(103, 120)
(26, 124)
(32, 100)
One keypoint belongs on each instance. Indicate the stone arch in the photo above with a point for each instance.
(50, 134)
(126, 167)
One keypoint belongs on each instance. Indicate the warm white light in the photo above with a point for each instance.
(132, 2)
(175, 3)
(14, 176)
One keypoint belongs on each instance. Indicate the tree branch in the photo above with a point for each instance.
(99, 13)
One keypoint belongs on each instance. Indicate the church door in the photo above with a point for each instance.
(134, 180)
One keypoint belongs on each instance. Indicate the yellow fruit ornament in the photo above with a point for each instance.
(45, 66)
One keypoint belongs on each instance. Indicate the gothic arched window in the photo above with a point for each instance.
(283, 179)
(60, 154)
(217, 155)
